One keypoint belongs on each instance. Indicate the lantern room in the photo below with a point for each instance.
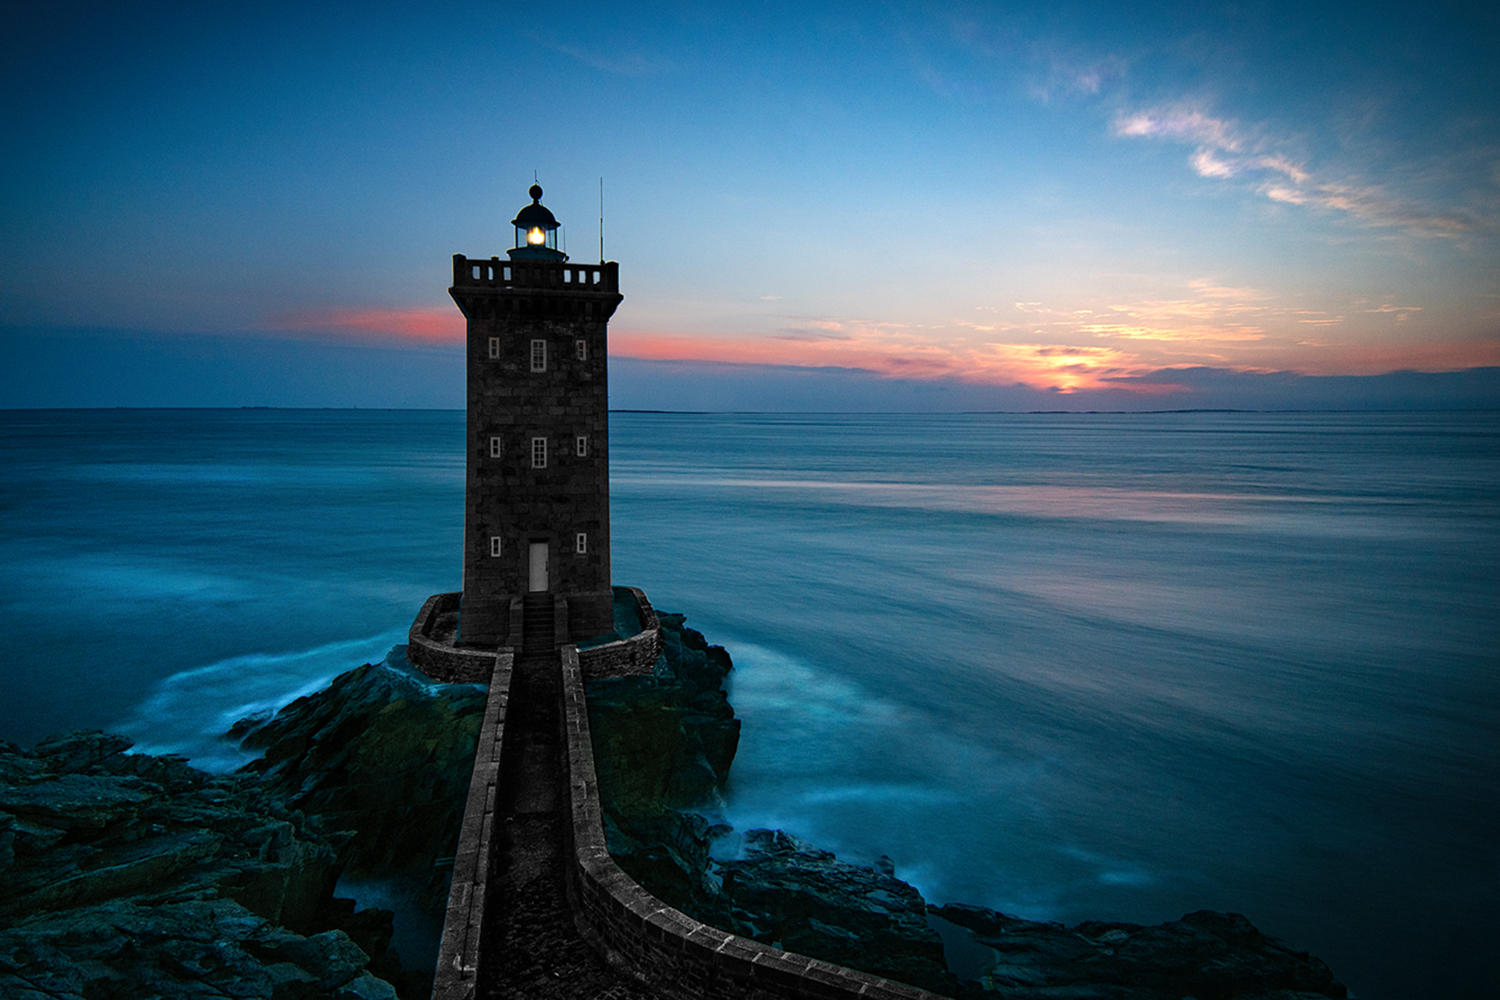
(536, 231)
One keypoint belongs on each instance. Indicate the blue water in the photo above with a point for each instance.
(1068, 666)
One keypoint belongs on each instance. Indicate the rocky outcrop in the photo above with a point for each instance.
(125, 875)
(663, 746)
(1206, 955)
(136, 876)
(384, 754)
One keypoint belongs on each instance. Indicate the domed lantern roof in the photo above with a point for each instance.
(536, 231)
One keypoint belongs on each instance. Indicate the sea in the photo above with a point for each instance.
(1066, 665)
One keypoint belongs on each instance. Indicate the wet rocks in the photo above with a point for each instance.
(134, 876)
(1206, 955)
(382, 753)
(784, 892)
(127, 875)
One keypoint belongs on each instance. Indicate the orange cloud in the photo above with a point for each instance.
(433, 325)
(894, 352)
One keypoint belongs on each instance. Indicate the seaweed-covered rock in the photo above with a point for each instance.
(663, 745)
(383, 753)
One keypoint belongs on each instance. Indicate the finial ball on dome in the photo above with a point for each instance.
(535, 192)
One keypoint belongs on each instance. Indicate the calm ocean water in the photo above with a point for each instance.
(1068, 666)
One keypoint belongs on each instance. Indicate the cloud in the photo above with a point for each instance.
(798, 333)
(1228, 152)
(1183, 126)
(433, 325)
(620, 64)
(892, 351)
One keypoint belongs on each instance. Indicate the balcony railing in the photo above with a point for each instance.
(497, 273)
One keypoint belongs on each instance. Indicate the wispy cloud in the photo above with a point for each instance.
(617, 63)
(436, 325)
(1183, 126)
(1227, 151)
(897, 351)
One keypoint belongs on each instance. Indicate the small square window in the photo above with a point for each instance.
(583, 445)
(494, 546)
(581, 543)
(539, 453)
(494, 348)
(538, 355)
(495, 446)
(583, 350)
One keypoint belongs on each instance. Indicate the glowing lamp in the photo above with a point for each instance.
(536, 231)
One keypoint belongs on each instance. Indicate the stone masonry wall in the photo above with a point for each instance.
(442, 661)
(630, 656)
(520, 394)
(458, 955)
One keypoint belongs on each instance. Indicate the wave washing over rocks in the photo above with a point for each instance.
(663, 749)
(129, 876)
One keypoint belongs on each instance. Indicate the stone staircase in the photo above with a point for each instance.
(537, 624)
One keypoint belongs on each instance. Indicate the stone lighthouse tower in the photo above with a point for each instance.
(536, 509)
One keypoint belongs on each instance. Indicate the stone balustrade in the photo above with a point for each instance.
(535, 274)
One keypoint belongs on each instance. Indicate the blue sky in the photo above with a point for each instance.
(899, 206)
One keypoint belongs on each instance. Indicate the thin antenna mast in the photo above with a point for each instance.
(601, 220)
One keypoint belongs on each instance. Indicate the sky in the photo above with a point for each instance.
(864, 206)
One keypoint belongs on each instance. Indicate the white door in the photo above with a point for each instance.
(538, 567)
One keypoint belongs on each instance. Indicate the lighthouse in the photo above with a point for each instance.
(536, 494)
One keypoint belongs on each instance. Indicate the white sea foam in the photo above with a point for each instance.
(191, 710)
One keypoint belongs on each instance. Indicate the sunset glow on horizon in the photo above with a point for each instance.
(1072, 199)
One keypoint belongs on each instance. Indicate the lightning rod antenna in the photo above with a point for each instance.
(601, 220)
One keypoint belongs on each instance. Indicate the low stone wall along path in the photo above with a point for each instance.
(531, 947)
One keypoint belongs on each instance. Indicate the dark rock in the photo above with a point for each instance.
(191, 885)
(784, 892)
(1206, 955)
(126, 876)
(383, 753)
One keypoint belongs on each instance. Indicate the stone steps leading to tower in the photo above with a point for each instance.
(537, 624)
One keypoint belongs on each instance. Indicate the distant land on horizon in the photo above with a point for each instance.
(68, 369)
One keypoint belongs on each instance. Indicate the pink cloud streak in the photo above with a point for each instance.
(431, 325)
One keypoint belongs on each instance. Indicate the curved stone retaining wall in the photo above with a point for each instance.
(458, 955)
(662, 945)
(634, 654)
(443, 661)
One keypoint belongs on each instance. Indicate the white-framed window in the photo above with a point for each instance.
(494, 348)
(494, 546)
(581, 543)
(538, 453)
(581, 443)
(538, 355)
(495, 446)
(583, 349)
